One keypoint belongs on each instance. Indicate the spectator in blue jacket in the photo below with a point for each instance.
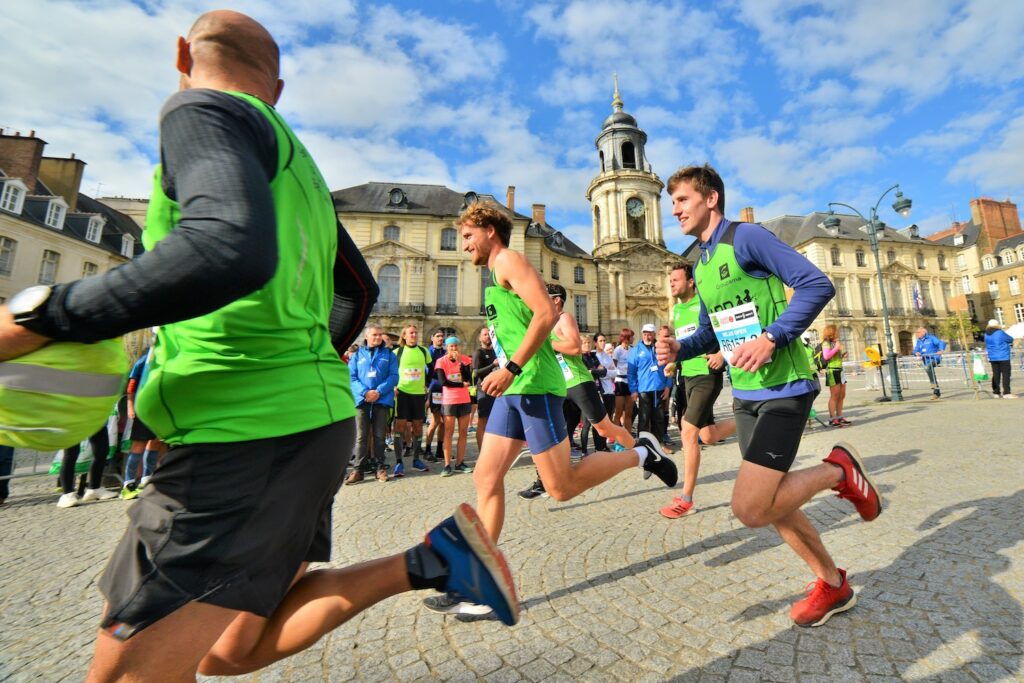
(998, 345)
(647, 383)
(374, 371)
(929, 349)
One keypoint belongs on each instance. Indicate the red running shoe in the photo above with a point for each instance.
(677, 508)
(822, 602)
(856, 487)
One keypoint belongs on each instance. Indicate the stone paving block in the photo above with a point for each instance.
(418, 671)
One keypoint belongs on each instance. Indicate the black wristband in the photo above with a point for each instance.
(514, 368)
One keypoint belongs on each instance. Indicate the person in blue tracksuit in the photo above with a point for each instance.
(998, 345)
(929, 349)
(647, 383)
(374, 378)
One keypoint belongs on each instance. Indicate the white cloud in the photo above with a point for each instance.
(998, 167)
(965, 129)
(766, 164)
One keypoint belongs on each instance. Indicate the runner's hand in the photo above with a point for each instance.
(716, 360)
(497, 382)
(16, 340)
(371, 396)
(666, 349)
(752, 355)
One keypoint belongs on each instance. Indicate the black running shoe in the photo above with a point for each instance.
(535, 491)
(656, 462)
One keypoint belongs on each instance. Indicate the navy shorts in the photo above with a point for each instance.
(534, 418)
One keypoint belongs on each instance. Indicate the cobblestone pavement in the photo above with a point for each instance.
(613, 592)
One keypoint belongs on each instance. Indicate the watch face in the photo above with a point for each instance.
(635, 207)
(28, 300)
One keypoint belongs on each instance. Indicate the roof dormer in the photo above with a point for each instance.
(12, 199)
(56, 212)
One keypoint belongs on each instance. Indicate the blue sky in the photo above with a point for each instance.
(797, 103)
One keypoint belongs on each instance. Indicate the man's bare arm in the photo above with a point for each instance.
(568, 336)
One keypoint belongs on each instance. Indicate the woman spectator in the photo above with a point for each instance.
(453, 371)
(998, 345)
(833, 353)
(623, 398)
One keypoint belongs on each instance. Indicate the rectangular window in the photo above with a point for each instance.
(580, 311)
(89, 269)
(7, 249)
(999, 316)
(1014, 283)
(961, 262)
(993, 289)
(947, 292)
(449, 237)
(127, 246)
(841, 300)
(970, 306)
(926, 295)
(861, 259)
(447, 288)
(865, 297)
(55, 215)
(965, 282)
(48, 268)
(836, 256)
(1018, 312)
(11, 198)
(578, 275)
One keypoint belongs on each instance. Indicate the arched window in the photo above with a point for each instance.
(554, 270)
(601, 155)
(870, 336)
(597, 218)
(837, 259)
(448, 239)
(1020, 253)
(390, 281)
(578, 276)
(862, 260)
(1008, 256)
(392, 232)
(988, 263)
(628, 155)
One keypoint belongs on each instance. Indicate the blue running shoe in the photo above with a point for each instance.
(399, 471)
(477, 571)
(419, 465)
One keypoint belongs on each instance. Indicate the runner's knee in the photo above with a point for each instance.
(749, 515)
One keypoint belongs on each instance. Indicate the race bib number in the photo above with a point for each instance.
(435, 397)
(454, 376)
(412, 374)
(566, 370)
(735, 326)
(686, 330)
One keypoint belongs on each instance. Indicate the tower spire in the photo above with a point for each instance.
(617, 99)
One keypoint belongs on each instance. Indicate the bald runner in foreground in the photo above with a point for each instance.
(255, 284)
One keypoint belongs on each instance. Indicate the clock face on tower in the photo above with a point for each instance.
(635, 207)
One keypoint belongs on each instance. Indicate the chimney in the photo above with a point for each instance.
(747, 215)
(510, 197)
(538, 214)
(20, 157)
(63, 177)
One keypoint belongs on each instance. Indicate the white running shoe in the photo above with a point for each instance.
(98, 494)
(68, 500)
(144, 481)
(1009, 395)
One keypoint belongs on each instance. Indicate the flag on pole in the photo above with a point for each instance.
(918, 300)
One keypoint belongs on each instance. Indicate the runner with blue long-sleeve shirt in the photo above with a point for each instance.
(741, 276)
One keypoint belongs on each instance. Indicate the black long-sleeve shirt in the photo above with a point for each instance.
(483, 364)
(218, 156)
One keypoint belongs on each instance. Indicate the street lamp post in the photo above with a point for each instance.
(902, 207)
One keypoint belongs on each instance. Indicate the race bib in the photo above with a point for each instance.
(735, 326)
(498, 350)
(412, 374)
(686, 330)
(435, 397)
(566, 370)
(454, 376)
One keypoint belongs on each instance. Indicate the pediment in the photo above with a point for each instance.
(392, 249)
(897, 268)
(647, 252)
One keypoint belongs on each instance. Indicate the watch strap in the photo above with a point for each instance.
(514, 368)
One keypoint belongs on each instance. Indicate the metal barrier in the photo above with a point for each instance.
(20, 468)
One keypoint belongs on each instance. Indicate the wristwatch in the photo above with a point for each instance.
(514, 368)
(770, 336)
(26, 305)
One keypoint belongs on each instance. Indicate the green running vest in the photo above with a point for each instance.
(574, 370)
(685, 319)
(836, 361)
(412, 362)
(262, 366)
(722, 284)
(507, 320)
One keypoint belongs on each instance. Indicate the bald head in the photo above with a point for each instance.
(227, 50)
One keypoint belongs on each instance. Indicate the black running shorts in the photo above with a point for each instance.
(139, 431)
(834, 377)
(701, 393)
(456, 409)
(411, 406)
(484, 403)
(622, 388)
(227, 524)
(769, 431)
(588, 399)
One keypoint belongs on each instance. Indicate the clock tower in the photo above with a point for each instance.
(629, 247)
(625, 195)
